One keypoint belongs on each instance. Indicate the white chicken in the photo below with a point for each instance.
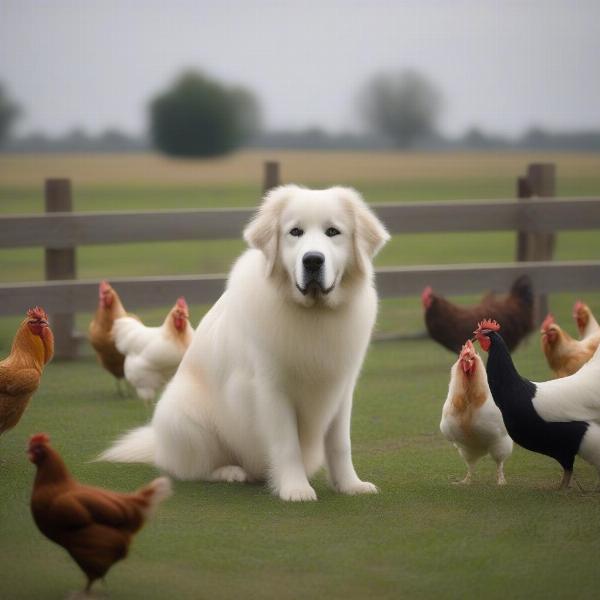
(471, 419)
(152, 354)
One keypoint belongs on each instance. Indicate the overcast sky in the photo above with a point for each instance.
(502, 65)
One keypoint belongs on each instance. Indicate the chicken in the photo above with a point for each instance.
(152, 354)
(20, 372)
(94, 525)
(557, 418)
(565, 355)
(451, 325)
(470, 419)
(586, 322)
(100, 331)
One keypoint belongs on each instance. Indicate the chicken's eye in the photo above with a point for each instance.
(296, 232)
(332, 231)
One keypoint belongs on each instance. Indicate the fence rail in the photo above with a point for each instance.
(143, 292)
(65, 230)
(534, 219)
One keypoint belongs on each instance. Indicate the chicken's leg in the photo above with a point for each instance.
(88, 587)
(566, 479)
(470, 461)
(466, 480)
(500, 479)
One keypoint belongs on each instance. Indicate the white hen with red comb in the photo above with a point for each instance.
(152, 354)
(471, 419)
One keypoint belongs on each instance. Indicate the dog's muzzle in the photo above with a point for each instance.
(313, 274)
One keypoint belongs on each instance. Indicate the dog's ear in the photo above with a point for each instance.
(263, 231)
(369, 233)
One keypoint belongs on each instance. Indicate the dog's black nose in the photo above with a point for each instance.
(313, 261)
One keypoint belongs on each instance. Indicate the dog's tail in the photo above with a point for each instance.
(136, 446)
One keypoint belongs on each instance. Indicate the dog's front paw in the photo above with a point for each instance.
(229, 473)
(297, 493)
(357, 487)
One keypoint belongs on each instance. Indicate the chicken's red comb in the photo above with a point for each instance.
(549, 320)
(487, 324)
(104, 286)
(181, 303)
(39, 438)
(38, 313)
(578, 306)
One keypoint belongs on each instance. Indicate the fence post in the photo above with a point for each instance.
(61, 264)
(540, 182)
(271, 175)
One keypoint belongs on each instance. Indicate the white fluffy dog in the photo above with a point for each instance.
(264, 391)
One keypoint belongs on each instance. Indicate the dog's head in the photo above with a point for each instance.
(318, 241)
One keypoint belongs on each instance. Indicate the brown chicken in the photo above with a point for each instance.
(564, 354)
(100, 331)
(586, 322)
(94, 525)
(451, 325)
(21, 371)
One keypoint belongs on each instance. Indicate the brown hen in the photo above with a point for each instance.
(452, 325)
(20, 372)
(564, 354)
(94, 525)
(100, 333)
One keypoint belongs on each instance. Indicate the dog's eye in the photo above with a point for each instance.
(296, 232)
(332, 231)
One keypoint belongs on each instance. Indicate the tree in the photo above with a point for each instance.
(403, 106)
(198, 116)
(9, 111)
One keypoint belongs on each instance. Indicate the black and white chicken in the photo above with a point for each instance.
(559, 418)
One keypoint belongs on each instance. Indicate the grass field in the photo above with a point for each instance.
(422, 537)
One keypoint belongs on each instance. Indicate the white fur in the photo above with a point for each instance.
(486, 434)
(152, 354)
(265, 390)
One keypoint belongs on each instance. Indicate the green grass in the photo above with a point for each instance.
(422, 537)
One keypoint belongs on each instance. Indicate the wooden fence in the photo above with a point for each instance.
(535, 217)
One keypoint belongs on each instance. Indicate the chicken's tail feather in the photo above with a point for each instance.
(155, 492)
(522, 288)
(136, 446)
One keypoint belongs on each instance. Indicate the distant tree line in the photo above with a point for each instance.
(77, 140)
(200, 116)
(474, 139)
(315, 138)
